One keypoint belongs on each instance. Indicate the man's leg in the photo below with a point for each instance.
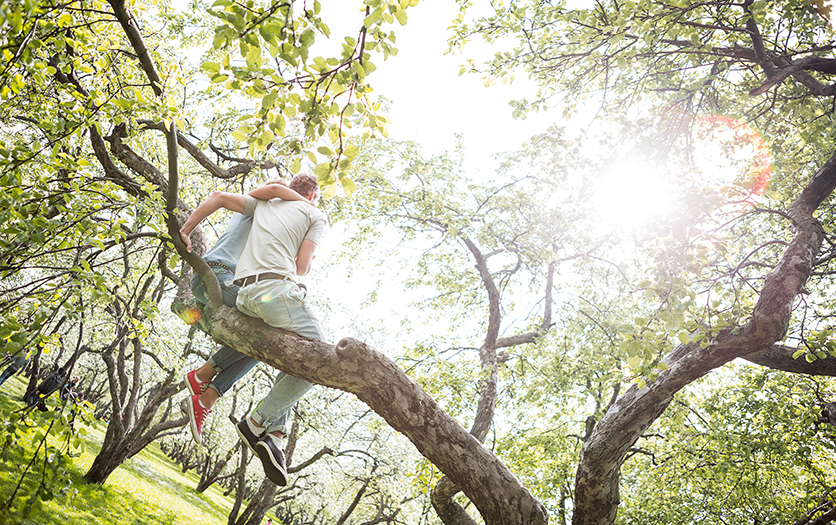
(281, 304)
(7, 373)
(223, 369)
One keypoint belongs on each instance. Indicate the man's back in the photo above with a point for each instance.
(279, 227)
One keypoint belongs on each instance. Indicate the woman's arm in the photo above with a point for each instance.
(215, 201)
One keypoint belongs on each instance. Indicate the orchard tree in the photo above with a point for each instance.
(82, 83)
(479, 244)
(86, 99)
(677, 65)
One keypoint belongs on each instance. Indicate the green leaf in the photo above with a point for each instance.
(211, 67)
(351, 150)
(322, 170)
(348, 186)
(400, 15)
(253, 57)
(269, 99)
(329, 191)
(373, 18)
(626, 329)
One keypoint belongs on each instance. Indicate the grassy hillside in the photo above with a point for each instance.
(148, 489)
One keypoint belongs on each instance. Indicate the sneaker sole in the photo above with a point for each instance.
(248, 440)
(193, 425)
(268, 463)
(189, 385)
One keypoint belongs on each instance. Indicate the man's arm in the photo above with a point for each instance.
(215, 201)
(304, 258)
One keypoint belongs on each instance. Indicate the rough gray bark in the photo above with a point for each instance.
(596, 484)
(121, 444)
(779, 357)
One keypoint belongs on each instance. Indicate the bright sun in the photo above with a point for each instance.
(725, 154)
(631, 194)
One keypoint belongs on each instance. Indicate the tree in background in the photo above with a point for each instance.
(732, 278)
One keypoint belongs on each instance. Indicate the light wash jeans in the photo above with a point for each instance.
(281, 304)
(230, 365)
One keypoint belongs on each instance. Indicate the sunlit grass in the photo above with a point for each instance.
(147, 489)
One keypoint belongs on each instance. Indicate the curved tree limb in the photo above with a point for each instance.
(779, 357)
(242, 167)
(757, 39)
(376, 380)
(169, 187)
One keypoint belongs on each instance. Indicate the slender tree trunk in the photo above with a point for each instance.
(214, 466)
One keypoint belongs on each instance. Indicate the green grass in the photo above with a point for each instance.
(146, 490)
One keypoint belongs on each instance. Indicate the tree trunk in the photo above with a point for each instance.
(259, 504)
(213, 466)
(596, 483)
(120, 445)
(240, 485)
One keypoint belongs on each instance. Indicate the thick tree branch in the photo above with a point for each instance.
(242, 167)
(757, 39)
(168, 187)
(376, 380)
(798, 70)
(779, 357)
(450, 512)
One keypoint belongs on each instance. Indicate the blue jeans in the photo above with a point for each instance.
(230, 365)
(281, 304)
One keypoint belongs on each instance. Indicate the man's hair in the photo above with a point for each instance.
(304, 184)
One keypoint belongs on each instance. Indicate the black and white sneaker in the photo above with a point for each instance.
(271, 455)
(248, 433)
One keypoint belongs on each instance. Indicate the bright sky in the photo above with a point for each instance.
(430, 101)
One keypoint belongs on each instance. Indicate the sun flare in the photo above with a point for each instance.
(632, 194)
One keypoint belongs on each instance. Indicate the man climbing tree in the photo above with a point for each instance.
(280, 246)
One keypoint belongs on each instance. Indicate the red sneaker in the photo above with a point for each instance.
(197, 417)
(195, 385)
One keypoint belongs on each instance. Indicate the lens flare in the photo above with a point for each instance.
(741, 146)
(268, 297)
(191, 315)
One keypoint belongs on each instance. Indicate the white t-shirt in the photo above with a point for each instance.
(279, 227)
